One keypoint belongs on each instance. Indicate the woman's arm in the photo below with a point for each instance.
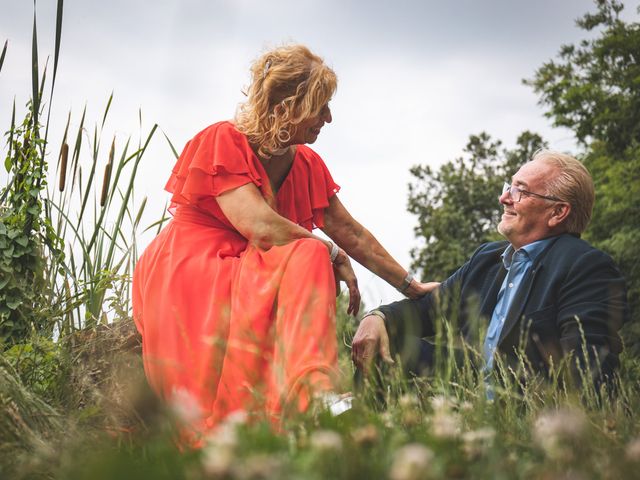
(250, 214)
(363, 247)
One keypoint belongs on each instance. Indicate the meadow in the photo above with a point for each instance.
(73, 398)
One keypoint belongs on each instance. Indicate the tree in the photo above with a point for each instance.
(594, 89)
(457, 205)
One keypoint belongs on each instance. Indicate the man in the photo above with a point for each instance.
(540, 293)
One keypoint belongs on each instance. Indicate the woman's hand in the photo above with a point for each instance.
(344, 272)
(419, 289)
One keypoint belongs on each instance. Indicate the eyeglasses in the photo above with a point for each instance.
(516, 193)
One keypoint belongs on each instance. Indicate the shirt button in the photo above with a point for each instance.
(511, 285)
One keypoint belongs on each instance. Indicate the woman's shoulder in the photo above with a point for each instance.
(224, 128)
(309, 156)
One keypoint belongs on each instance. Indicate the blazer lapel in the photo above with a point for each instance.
(519, 302)
(491, 297)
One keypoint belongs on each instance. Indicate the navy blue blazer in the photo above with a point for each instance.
(570, 286)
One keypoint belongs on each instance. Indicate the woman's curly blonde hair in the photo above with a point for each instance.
(289, 84)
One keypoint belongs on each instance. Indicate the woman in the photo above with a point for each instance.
(235, 298)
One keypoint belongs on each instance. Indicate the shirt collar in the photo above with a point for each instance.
(530, 251)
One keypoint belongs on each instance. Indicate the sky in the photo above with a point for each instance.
(416, 78)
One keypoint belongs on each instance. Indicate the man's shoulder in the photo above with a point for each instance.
(574, 244)
(574, 250)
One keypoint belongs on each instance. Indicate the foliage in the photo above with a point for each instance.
(99, 221)
(457, 205)
(41, 366)
(24, 234)
(615, 226)
(27, 423)
(594, 89)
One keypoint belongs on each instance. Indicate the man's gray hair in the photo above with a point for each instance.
(572, 184)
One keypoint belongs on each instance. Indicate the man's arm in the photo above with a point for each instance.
(385, 331)
(592, 304)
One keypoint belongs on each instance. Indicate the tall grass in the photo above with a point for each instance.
(94, 217)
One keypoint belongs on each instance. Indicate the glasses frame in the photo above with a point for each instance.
(517, 191)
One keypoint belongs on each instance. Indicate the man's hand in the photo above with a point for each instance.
(370, 340)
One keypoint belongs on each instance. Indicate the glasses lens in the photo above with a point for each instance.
(506, 188)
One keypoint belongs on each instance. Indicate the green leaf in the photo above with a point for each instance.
(14, 303)
(22, 240)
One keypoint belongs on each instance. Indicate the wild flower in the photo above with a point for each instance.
(260, 466)
(366, 436)
(445, 425)
(440, 402)
(185, 406)
(387, 419)
(218, 461)
(632, 451)
(326, 441)
(411, 462)
(411, 418)
(557, 432)
(221, 443)
(408, 401)
(477, 442)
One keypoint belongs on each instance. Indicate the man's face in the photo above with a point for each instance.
(526, 221)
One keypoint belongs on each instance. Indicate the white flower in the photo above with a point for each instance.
(326, 440)
(225, 435)
(217, 460)
(408, 401)
(633, 450)
(555, 431)
(387, 419)
(260, 466)
(185, 406)
(478, 442)
(367, 435)
(411, 462)
(445, 425)
(440, 402)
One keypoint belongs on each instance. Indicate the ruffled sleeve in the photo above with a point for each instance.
(305, 194)
(216, 160)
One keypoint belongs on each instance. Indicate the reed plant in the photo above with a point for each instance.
(79, 238)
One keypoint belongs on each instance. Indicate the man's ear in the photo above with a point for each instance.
(561, 211)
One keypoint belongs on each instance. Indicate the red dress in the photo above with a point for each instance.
(225, 325)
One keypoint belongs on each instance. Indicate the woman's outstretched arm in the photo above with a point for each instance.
(363, 247)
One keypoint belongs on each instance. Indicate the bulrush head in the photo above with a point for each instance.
(107, 175)
(64, 156)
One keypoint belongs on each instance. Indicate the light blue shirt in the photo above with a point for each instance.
(518, 264)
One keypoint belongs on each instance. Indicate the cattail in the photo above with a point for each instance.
(107, 175)
(64, 155)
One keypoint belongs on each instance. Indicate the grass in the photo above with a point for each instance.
(74, 402)
(111, 426)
